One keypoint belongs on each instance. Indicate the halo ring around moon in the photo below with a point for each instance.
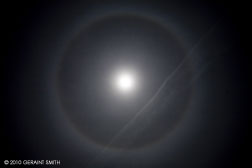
(68, 110)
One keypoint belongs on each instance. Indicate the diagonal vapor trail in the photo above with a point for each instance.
(160, 89)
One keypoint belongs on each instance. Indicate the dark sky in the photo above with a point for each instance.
(190, 106)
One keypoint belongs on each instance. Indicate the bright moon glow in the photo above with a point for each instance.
(125, 82)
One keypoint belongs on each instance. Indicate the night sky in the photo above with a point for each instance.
(183, 102)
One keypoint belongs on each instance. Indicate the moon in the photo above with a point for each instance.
(125, 82)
